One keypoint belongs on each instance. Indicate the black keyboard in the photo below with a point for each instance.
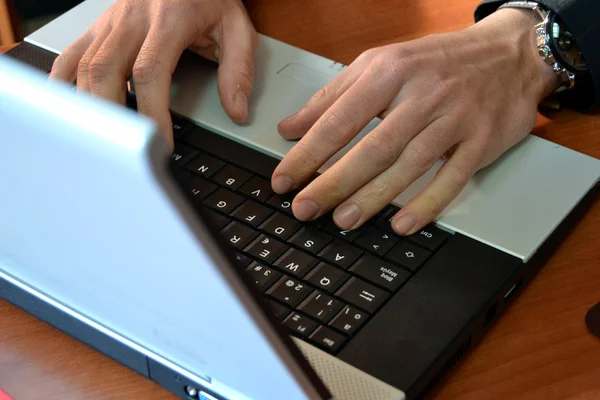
(321, 282)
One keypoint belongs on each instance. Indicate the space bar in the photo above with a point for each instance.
(231, 151)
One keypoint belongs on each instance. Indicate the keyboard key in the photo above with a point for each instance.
(182, 154)
(431, 237)
(281, 226)
(376, 241)
(311, 239)
(263, 276)
(349, 320)
(282, 202)
(181, 175)
(279, 310)
(341, 254)
(328, 339)
(327, 277)
(363, 295)
(204, 165)
(289, 291)
(252, 213)
(321, 306)
(300, 325)
(408, 255)
(232, 177)
(331, 227)
(231, 151)
(199, 188)
(384, 220)
(296, 262)
(238, 235)
(242, 260)
(266, 248)
(381, 273)
(224, 201)
(220, 221)
(258, 189)
(180, 126)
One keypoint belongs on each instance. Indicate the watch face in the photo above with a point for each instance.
(564, 47)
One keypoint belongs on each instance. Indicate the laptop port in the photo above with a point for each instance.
(512, 291)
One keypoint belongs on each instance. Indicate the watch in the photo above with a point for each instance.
(555, 43)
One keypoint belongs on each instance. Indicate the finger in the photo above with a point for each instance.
(112, 64)
(447, 184)
(376, 152)
(153, 70)
(65, 65)
(296, 125)
(83, 68)
(236, 50)
(417, 158)
(334, 130)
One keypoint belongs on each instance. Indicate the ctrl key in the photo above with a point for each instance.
(327, 339)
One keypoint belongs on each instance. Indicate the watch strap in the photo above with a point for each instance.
(543, 41)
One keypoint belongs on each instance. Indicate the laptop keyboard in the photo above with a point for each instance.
(321, 282)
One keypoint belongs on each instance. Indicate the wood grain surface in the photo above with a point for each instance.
(540, 349)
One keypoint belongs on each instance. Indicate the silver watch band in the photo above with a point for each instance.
(543, 41)
(539, 13)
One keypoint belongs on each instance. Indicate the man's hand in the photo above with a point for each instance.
(144, 39)
(467, 96)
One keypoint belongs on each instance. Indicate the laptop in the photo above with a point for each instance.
(188, 269)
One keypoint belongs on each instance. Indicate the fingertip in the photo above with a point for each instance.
(405, 224)
(289, 129)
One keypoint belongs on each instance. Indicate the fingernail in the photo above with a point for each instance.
(404, 224)
(241, 101)
(305, 210)
(347, 216)
(282, 184)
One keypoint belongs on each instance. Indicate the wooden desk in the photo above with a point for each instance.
(539, 350)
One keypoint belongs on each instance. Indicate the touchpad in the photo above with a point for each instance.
(304, 74)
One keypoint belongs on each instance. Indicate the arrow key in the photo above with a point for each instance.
(341, 254)
(408, 255)
(377, 241)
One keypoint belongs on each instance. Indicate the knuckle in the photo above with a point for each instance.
(420, 156)
(334, 129)
(84, 66)
(444, 88)
(144, 71)
(368, 54)
(458, 176)
(382, 148)
(322, 93)
(99, 69)
(127, 7)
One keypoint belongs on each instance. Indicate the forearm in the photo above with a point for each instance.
(583, 19)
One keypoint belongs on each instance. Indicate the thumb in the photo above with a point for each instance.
(236, 70)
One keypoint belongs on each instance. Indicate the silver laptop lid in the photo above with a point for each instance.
(90, 219)
(513, 205)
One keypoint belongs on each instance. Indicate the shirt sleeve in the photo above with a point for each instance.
(582, 18)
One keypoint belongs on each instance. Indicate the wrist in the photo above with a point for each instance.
(512, 31)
